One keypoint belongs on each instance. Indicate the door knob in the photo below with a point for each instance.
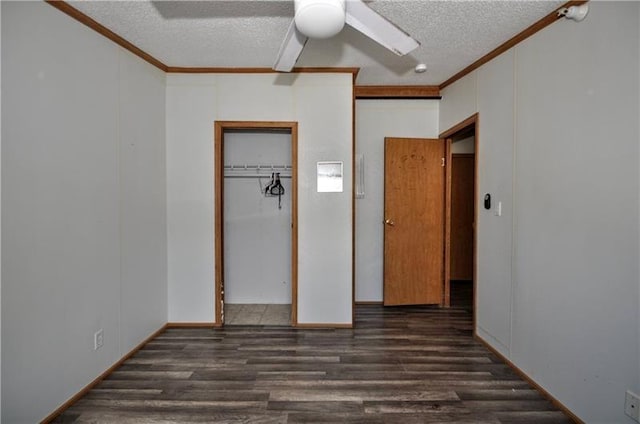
(389, 222)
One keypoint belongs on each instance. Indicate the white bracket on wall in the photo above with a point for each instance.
(576, 13)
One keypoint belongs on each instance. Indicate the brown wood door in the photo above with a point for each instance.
(462, 177)
(414, 178)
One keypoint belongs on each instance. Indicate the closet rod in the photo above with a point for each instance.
(253, 176)
(258, 167)
(256, 171)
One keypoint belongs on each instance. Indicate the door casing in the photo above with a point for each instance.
(471, 123)
(220, 128)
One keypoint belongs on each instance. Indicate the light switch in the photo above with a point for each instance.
(498, 211)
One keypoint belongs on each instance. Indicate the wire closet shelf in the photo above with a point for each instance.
(256, 171)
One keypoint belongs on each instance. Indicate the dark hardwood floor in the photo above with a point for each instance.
(462, 294)
(399, 365)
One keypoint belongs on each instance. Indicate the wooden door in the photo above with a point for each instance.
(414, 179)
(462, 183)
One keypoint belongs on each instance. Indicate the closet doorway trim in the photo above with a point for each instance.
(218, 159)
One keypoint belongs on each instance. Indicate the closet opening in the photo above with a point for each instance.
(256, 223)
(462, 199)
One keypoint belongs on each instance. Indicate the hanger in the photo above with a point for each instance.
(277, 189)
(267, 189)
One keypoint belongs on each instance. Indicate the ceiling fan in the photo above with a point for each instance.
(326, 18)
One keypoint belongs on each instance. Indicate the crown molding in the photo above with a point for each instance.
(528, 32)
(71, 11)
(397, 92)
(361, 92)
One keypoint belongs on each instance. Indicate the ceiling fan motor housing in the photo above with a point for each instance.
(320, 18)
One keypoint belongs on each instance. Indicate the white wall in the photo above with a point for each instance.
(0, 221)
(143, 220)
(190, 273)
(459, 103)
(375, 120)
(558, 279)
(463, 146)
(83, 220)
(495, 154)
(257, 234)
(321, 104)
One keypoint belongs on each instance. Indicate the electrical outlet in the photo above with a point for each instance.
(632, 405)
(98, 339)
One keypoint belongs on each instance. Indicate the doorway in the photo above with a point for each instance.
(462, 224)
(255, 223)
(462, 213)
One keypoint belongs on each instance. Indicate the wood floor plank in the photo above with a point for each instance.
(170, 417)
(184, 385)
(390, 384)
(173, 404)
(342, 407)
(330, 417)
(139, 375)
(537, 417)
(422, 408)
(497, 394)
(398, 365)
(440, 418)
(510, 405)
(360, 395)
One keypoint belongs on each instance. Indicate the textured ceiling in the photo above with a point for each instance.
(248, 33)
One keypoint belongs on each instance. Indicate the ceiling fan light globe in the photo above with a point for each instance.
(320, 18)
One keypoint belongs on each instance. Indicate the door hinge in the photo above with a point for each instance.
(442, 161)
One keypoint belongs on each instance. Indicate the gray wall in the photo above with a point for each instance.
(463, 145)
(322, 106)
(0, 232)
(83, 206)
(558, 281)
(375, 120)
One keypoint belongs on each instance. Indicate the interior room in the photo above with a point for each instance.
(210, 212)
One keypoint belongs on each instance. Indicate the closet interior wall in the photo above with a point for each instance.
(257, 232)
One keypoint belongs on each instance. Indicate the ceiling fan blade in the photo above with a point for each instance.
(290, 50)
(378, 28)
